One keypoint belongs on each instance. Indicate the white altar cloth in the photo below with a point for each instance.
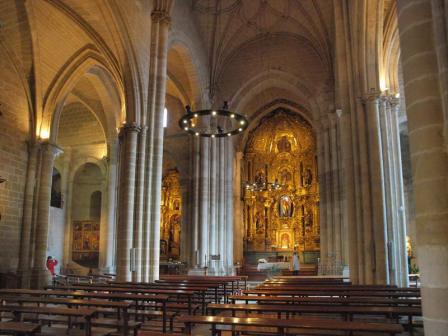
(271, 265)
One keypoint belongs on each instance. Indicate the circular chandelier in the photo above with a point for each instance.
(213, 123)
(261, 185)
(265, 186)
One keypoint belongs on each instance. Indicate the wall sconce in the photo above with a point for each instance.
(44, 134)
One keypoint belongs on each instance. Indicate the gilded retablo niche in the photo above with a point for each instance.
(171, 216)
(282, 150)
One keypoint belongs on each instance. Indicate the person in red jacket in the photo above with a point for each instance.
(51, 264)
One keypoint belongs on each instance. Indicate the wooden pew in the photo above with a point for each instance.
(206, 290)
(204, 282)
(20, 328)
(340, 288)
(136, 298)
(230, 278)
(85, 314)
(121, 307)
(148, 291)
(200, 290)
(335, 293)
(326, 300)
(283, 325)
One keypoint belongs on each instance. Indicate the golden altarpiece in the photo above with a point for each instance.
(171, 216)
(282, 216)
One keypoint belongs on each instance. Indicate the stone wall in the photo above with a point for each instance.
(13, 162)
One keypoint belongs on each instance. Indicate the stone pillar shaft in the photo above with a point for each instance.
(40, 273)
(139, 206)
(126, 202)
(25, 239)
(424, 90)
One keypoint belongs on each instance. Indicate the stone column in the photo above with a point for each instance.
(129, 133)
(193, 236)
(335, 189)
(393, 191)
(67, 188)
(108, 212)
(110, 244)
(230, 216)
(160, 27)
(222, 172)
(25, 238)
(41, 276)
(375, 233)
(400, 211)
(139, 205)
(323, 197)
(213, 224)
(426, 121)
(237, 213)
(204, 203)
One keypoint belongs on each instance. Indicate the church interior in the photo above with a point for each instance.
(224, 167)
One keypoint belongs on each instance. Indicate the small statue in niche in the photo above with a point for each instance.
(260, 178)
(285, 206)
(283, 145)
(285, 177)
(308, 221)
(258, 222)
(307, 177)
(163, 247)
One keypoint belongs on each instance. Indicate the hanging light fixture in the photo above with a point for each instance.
(260, 186)
(213, 123)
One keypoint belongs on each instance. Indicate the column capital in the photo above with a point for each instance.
(161, 16)
(371, 97)
(130, 127)
(51, 148)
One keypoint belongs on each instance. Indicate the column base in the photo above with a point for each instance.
(24, 278)
(40, 278)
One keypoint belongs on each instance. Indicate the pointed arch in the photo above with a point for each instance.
(87, 62)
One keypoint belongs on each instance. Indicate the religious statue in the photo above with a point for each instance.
(260, 178)
(283, 145)
(285, 206)
(285, 177)
(163, 248)
(307, 177)
(285, 241)
(258, 222)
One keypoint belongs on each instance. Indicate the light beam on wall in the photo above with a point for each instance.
(165, 117)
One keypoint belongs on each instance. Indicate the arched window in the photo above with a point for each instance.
(56, 195)
(95, 205)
